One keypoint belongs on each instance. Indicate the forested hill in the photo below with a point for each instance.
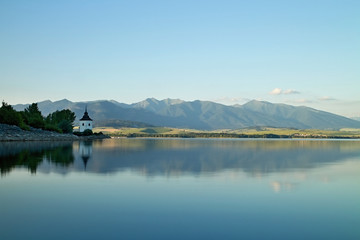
(203, 115)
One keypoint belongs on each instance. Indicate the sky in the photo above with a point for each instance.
(293, 52)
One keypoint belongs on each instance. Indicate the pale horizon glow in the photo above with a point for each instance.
(230, 52)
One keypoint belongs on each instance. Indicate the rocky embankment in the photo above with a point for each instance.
(14, 133)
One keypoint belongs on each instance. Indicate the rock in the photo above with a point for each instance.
(14, 133)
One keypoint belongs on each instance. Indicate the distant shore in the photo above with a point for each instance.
(222, 135)
(259, 132)
(14, 133)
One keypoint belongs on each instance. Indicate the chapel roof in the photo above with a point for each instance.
(86, 116)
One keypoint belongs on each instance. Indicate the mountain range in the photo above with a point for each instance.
(202, 115)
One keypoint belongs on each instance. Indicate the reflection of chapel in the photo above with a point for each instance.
(85, 149)
(85, 122)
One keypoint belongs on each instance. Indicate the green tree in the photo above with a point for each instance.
(33, 117)
(9, 116)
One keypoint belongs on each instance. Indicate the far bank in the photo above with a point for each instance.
(255, 132)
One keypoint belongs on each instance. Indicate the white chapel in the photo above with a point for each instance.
(85, 122)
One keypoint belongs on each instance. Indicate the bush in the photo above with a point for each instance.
(51, 127)
(23, 126)
(63, 120)
(36, 122)
(87, 132)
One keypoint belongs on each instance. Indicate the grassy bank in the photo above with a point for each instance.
(258, 132)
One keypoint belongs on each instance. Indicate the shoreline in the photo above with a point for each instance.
(10, 133)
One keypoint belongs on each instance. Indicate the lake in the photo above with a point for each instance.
(180, 189)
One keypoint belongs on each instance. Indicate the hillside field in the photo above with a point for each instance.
(257, 132)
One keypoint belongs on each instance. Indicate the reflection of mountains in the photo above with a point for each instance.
(195, 156)
(175, 156)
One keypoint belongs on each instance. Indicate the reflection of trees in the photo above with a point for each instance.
(31, 155)
(62, 156)
(25, 158)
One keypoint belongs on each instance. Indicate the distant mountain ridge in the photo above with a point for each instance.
(204, 115)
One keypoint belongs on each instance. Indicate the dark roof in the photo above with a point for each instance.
(86, 117)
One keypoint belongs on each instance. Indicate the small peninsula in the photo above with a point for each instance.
(30, 125)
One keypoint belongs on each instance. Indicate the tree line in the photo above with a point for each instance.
(58, 121)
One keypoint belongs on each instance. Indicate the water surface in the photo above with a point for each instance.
(180, 189)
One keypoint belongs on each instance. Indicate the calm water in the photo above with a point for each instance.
(180, 189)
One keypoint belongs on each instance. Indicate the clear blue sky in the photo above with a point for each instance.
(294, 52)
